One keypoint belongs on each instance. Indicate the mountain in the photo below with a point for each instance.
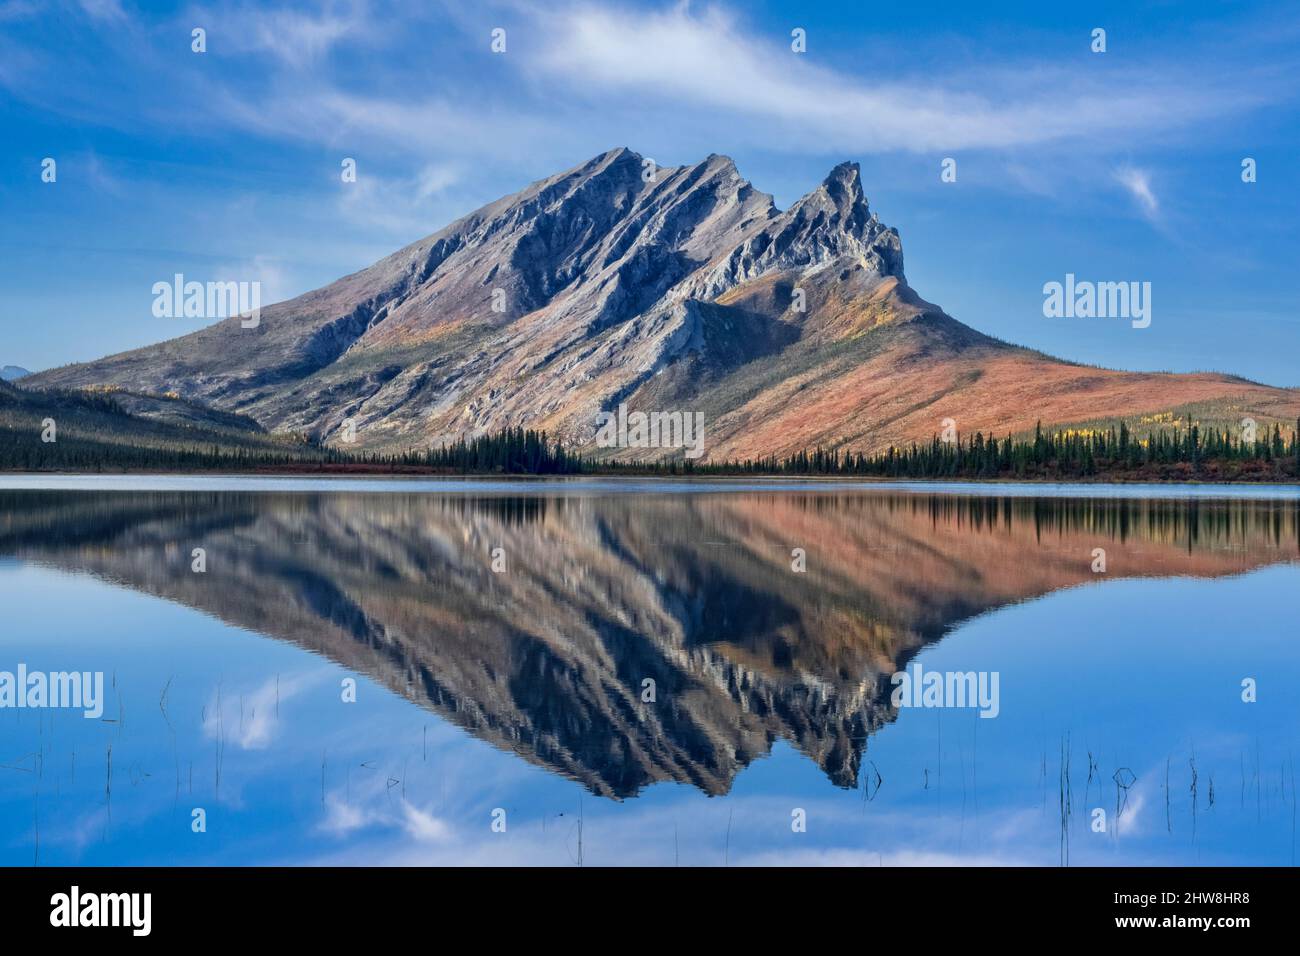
(9, 373)
(691, 291)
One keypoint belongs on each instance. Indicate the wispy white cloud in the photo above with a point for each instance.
(398, 125)
(708, 61)
(588, 68)
(297, 37)
(276, 284)
(100, 176)
(370, 805)
(423, 826)
(1138, 183)
(103, 9)
(343, 818)
(252, 718)
(402, 205)
(11, 10)
(598, 73)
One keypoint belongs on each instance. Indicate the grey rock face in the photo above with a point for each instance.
(831, 223)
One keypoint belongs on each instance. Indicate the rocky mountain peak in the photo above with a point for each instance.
(838, 206)
(620, 160)
(843, 185)
(830, 224)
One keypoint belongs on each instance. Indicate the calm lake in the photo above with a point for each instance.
(362, 671)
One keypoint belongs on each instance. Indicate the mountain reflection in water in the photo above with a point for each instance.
(697, 592)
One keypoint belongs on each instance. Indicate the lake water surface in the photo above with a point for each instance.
(635, 672)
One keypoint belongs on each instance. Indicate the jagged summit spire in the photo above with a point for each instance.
(840, 196)
(844, 186)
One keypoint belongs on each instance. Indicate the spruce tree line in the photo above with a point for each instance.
(1064, 454)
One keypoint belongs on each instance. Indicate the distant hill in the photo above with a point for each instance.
(9, 373)
(117, 429)
(677, 288)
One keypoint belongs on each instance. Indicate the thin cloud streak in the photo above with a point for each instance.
(296, 38)
(707, 62)
(1138, 184)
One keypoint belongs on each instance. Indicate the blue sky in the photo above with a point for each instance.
(1123, 165)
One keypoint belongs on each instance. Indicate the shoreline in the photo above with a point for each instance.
(505, 485)
(416, 473)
